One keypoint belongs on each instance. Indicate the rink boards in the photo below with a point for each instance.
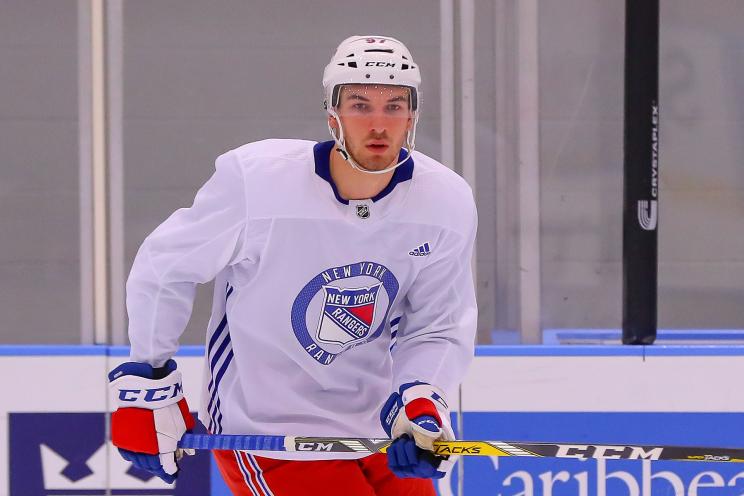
(53, 424)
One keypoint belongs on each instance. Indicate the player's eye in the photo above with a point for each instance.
(394, 107)
(361, 107)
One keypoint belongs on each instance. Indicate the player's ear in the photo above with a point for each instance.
(332, 122)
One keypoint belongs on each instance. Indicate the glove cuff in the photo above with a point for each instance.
(389, 414)
(412, 390)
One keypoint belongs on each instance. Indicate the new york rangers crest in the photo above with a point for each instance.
(346, 306)
(347, 314)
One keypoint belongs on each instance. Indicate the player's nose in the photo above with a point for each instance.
(378, 126)
(378, 133)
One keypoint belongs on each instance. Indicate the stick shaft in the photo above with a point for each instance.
(468, 448)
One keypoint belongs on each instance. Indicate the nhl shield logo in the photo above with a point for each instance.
(348, 314)
(362, 211)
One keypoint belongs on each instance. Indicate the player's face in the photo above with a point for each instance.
(376, 120)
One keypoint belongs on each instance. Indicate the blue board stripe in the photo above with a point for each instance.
(482, 350)
(53, 350)
(84, 350)
(677, 336)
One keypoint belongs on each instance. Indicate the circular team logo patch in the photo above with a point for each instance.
(343, 307)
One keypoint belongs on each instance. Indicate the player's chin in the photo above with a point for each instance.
(375, 162)
(375, 165)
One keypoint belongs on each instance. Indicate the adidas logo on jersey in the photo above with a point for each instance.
(421, 251)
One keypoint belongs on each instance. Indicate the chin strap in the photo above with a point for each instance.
(341, 146)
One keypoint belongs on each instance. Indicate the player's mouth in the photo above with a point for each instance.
(377, 147)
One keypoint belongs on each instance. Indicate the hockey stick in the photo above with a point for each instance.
(476, 448)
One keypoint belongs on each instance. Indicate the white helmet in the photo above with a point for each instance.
(371, 60)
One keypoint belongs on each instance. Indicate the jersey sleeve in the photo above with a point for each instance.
(192, 246)
(436, 336)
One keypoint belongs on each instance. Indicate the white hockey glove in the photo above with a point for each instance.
(151, 418)
(414, 418)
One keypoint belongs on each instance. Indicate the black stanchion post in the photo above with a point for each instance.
(641, 171)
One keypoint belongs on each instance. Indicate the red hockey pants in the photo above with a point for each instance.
(249, 475)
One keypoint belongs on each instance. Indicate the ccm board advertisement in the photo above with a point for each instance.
(590, 396)
(54, 424)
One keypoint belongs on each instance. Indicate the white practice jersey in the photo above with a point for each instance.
(322, 306)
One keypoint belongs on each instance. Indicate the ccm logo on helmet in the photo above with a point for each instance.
(379, 64)
(150, 395)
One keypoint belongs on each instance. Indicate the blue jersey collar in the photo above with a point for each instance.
(322, 152)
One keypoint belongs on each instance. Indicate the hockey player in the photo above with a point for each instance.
(343, 304)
